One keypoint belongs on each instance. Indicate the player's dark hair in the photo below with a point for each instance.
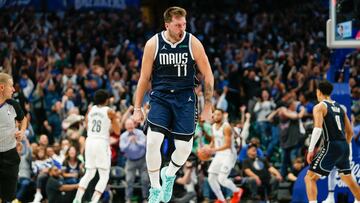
(101, 96)
(325, 87)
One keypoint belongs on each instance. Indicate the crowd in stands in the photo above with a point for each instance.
(266, 63)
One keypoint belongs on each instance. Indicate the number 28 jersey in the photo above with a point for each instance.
(99, 123)
(174, 65)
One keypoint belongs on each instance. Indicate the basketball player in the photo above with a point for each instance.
(100, 120)
(168, 66)
(222, 145)
(331, 121)
(332, 175)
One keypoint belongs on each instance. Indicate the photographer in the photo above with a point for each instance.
(184, 188)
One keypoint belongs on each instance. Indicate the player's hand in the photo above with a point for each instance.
(310, 157)
(138, 115)
(207, 113)
(19, 135)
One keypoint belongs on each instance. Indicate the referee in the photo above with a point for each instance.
(9, 136)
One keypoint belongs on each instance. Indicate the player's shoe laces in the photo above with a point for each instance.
(167, 185)
(155, 195)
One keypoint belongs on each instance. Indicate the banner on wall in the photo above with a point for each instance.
(99, 4)
(62, 5)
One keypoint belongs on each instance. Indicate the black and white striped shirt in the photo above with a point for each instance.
(10, 111)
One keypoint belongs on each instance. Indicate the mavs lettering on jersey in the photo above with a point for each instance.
(174, 65)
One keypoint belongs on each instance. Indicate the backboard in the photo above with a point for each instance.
(343, 27)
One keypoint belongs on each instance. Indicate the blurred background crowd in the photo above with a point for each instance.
(267, 59)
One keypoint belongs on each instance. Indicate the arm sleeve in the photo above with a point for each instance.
(19, 112)
(316, 133)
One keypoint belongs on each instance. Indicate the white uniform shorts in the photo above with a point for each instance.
(97, 154)
(222, 164)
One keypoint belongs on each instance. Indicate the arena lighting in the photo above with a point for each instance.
(345, 34)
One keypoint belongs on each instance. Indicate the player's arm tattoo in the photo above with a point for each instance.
(208, 93)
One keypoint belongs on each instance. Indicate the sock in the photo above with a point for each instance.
(356, 201)
(96, 197)
(153, 156)
(179, 156)
(155, 179)
(314, 201)
(172, 169)
(331, 195)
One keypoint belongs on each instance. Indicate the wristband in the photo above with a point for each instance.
(137, 109)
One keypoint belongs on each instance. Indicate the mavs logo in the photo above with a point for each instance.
(173, 58)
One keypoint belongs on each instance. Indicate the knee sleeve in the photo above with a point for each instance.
(182, 151)
(103, 180)
(153, 146)
(89, 175)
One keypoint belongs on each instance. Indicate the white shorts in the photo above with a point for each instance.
(222, 164)
(97, 154)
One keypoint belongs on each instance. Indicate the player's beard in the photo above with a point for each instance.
(176, 36)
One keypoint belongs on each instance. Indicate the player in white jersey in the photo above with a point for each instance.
(223, 146)
(100, 119)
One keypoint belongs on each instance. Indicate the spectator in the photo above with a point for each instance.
(25, 171)
(43, 141)
(133, 144)
(261, 174)
(67, 101)
(57, 191)
(72, 167)
(263, 108)
(243, 155)
(40, 168)
(53, 123)
(290, 134)
(184, 188)
(298, 165)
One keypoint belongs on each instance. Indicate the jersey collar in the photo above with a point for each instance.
(171, 44)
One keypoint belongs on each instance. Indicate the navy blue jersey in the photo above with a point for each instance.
(174, 65)
(333, 125)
